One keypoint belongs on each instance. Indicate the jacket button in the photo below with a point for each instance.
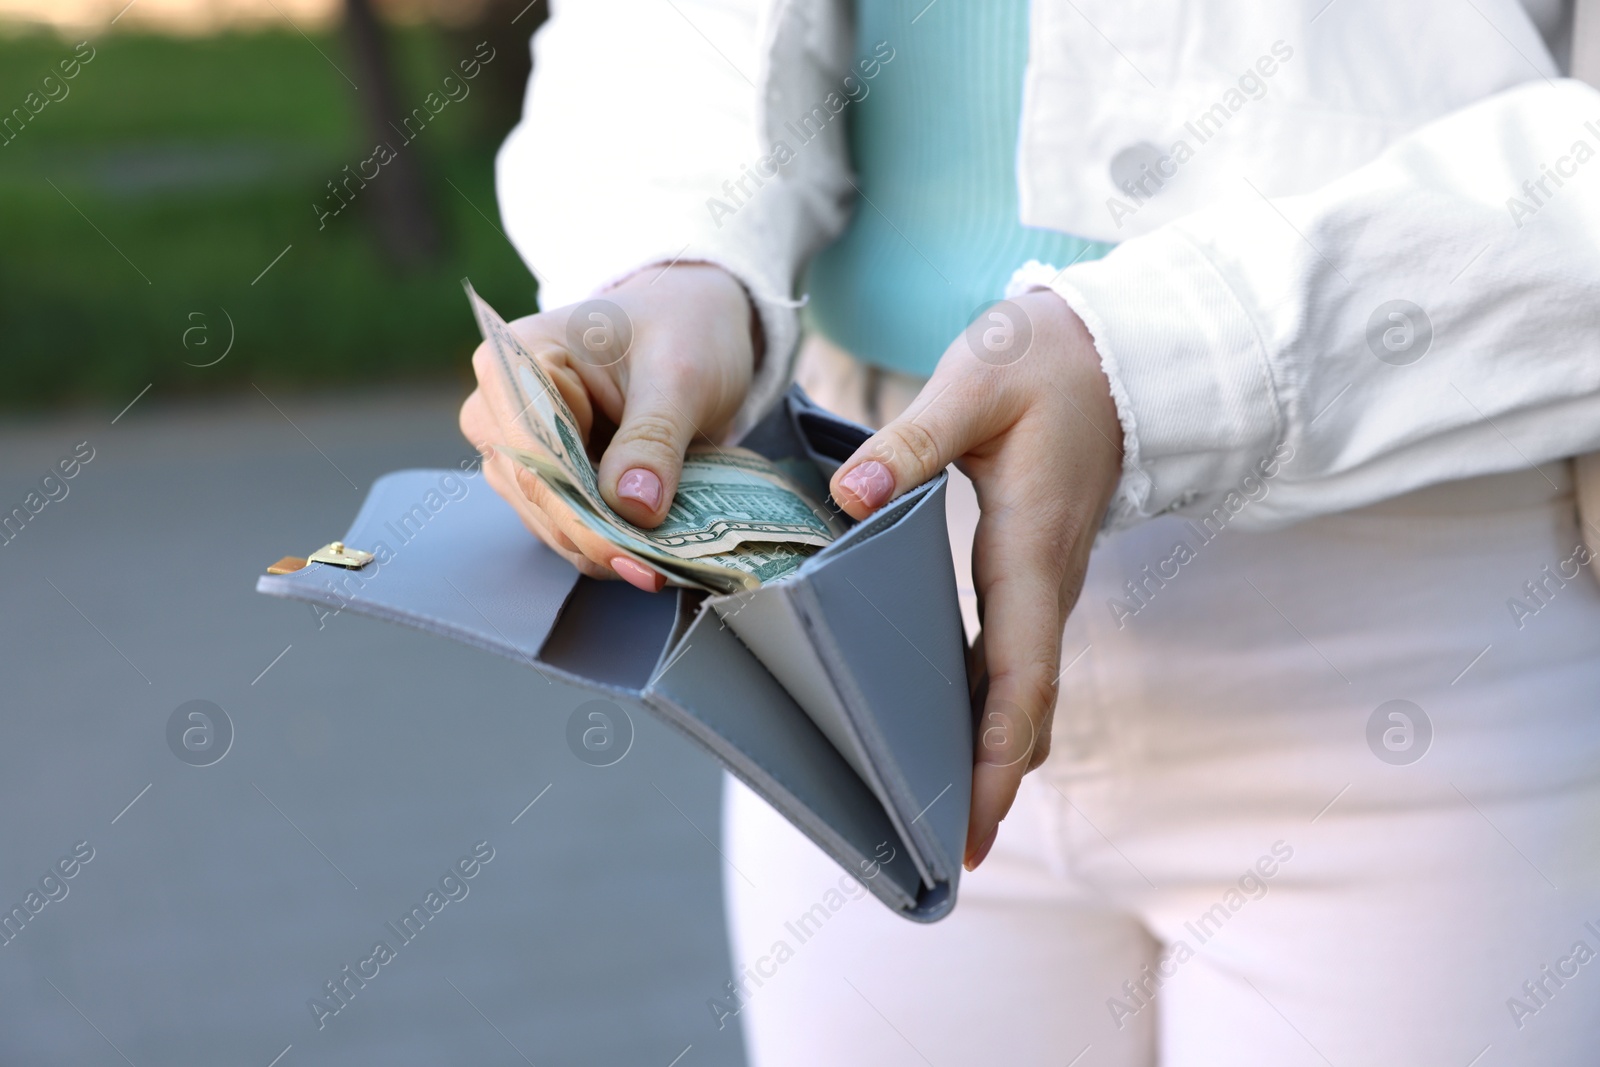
(1135, 170)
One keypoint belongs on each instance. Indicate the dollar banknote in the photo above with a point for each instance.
(748, 566)
(735, 522)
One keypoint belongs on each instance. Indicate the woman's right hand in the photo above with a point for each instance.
(672, 367)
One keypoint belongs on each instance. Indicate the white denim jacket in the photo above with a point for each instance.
(1365, 229)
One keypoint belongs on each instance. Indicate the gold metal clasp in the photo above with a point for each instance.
(336, 553)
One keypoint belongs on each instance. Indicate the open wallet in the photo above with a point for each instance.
(839, 694)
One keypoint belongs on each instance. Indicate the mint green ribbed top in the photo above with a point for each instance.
(935, 235)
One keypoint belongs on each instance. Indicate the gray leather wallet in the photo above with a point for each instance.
(840, 694)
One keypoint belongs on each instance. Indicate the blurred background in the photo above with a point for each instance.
(200, 141)
(200, 292)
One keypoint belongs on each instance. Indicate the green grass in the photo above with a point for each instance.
(169, 178)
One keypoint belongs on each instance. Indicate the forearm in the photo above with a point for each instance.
(1258, 329)
(640, 118)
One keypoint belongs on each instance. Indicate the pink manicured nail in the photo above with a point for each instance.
(641, 485)
(637, 574)
(871, 483)
(983, 849)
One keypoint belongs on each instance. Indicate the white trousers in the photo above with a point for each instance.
(1240, 852)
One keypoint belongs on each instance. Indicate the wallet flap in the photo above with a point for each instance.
(867, 639)
(885, 618)
(774, 623)
(451, 559)
(716, 692)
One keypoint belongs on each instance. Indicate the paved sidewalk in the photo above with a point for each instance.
(367, 759)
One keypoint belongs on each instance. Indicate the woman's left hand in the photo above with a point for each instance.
(1020, 405)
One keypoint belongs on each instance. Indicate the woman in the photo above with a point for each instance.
(1320, 396)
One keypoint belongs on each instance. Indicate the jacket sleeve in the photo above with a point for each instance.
(1433, 315)
(644, 142)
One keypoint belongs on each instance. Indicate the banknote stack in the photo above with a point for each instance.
(736, 522)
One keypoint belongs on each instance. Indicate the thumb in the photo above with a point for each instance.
(641, 466)
(944, 423)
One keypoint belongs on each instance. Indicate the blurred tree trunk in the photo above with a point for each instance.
(506, 25)
(404, 216)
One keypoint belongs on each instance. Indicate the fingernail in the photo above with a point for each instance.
(637, 574)
(641, 485)
(871, 483)
(982, 850)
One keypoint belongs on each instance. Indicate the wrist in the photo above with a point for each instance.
(1079, 390)
(1076, 358)
(707, 288)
